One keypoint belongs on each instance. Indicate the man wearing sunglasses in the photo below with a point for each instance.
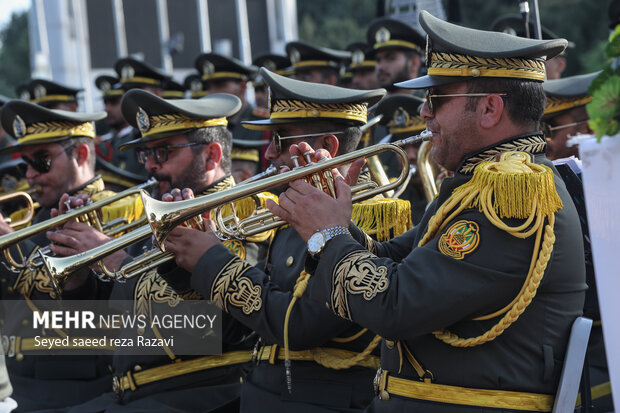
(58, 147)
(565, 113)
(331, 361)
(476, 302)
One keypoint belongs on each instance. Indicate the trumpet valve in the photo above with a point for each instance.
(295, 160)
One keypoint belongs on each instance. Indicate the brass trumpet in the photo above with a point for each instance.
(26, 195)
(164, 216)
(86, 213)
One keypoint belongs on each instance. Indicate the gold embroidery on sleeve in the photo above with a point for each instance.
(231, 287)
(356, 274)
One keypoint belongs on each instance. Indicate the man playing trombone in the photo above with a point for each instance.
(309, 360)
(58, 147)
(183, 144)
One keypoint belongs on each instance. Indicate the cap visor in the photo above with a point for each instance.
(428, 81)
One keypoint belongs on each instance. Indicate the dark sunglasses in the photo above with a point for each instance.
(41, 163)
(277, 139)
(160, 153)
(435, 101)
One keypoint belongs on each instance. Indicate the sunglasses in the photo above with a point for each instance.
(160, 153)
(41, 163)
(277, 139)
(434, 101)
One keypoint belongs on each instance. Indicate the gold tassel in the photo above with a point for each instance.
(384, 218)
(517, 185)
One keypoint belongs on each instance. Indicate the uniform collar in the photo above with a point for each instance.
(226, 182)
(533, 143)
(91, 187)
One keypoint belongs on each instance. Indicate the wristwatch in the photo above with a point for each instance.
(317, 241)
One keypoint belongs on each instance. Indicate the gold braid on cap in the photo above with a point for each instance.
(171, 122)
(555, 104)
(452, 64)
(44, 130)
(287, 109)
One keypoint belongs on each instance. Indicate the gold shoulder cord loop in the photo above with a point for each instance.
(514, 187)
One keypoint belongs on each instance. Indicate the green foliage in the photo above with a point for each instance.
(613, 47)
(14, 54)
(604, 110)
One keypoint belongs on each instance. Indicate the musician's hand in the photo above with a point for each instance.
(176, 195)
(5, 228)
(67, 202)
(309, 209)
(188, 244)
(77, 237)
(353, 171)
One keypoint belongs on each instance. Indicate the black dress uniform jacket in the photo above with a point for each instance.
(52, 381)
(209, 390)
(424, 290)
(315, 388)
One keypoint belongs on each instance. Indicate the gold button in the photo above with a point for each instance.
(137, 367)
(19, 357)
(389, 344)
(384, 395)
(475, 72)
(315, 112)
(289, 261)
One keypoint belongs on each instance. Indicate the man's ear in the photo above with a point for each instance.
(491, 107)
(81, 154)
(330, 143)
(213, 153)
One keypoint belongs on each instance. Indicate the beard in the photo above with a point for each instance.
(191, 177)
(400, 76)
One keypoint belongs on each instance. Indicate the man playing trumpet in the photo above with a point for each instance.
(58, 147)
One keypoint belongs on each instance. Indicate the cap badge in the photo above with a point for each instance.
(127, 72)
(401, 117)
(39, 91)
(510, 30)
(105, 86)
(294, 55)
(208, 68)
(358, 57)
(382, 35)
(19, 127)
(195, 85)
(270, 64)
(142, 119)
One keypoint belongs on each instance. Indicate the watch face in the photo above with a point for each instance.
(316, 242)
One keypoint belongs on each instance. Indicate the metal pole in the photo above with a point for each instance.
(243, 30)
(203, 25)
(81, 30)
(43, 42)
(164, 35)
(119, 28)
(536, 17)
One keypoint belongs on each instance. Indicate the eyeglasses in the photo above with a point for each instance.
(160, 153)
(41, 163)
(434, 106)
(277, 139)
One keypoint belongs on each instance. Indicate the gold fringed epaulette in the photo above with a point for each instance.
(129, 207)
(20, 214)
(384, 218)
(518, 187)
